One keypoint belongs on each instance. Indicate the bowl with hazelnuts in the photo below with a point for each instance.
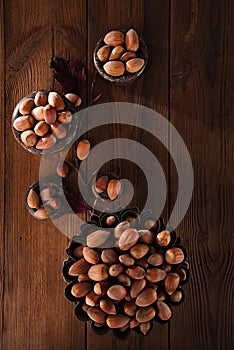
(45, 122)
(120, 56)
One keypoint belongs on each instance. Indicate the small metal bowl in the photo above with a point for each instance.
(127, 77)
(49, 183)
(60, 143)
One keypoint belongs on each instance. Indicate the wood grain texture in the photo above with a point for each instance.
(34, 303)
(142, 16)
(201, 109)
(69, 41)
(189, 80)
(2, 173)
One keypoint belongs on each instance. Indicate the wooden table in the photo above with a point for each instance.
(189, 80)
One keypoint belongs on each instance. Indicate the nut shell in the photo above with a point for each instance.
(117, 292)
(116, 53)
(56, 101)
(96, 314)
(145, 314)
(114, 38)
(114, 68)
(29, 138)
(171, 282)
(139, 250)
(26, 106)
(136, 287)
(98, 272)
(163, 238)
(104, 53)
(49, 114)
(117, 321)
(132, 40)
(128, 238)
(174, 255)
(127, 56)
(46, 142)
(134, 65)
(79, 290)
(91, 255)
(41, 214)
(38, 113)
(23, 123)
(41, 128)
(97, 238)
(33, 199)
(83, 149)
(108, 306)
(155, 275)
(113, 189)
(164, 311)
(146, 298)
(79, 267)
(41, 99)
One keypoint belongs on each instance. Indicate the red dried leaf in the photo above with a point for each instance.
(71, 75)
(77, 203)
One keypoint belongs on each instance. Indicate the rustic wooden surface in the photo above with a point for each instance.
(189, 79)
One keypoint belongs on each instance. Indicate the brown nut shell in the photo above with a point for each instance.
(23, 123)
(108, 306)
(114, 68)
(38, 113)
(41, 128)
(96, 314)
(164, 311)
(114, 38)
(58, 130)
(83, 149)
(91, 255)
(97, 238)
(127, 56)
(79, 290)
(33, 199)
(147, 297)
(128, 239)
(132, 40)
(98, 272)
(29, 138)
(79, 267)
(134, 65)
(49, 114)
(139, 250)
(145, 314)
(26, 106)
(171, 282)
(65, 117)
(117, 321)
(174, 255)
(104, 53)
(46, 142)
(56, 101)
(116, 53)
(117, 292)
(41, 99)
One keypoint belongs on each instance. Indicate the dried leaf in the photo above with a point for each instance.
(71, 75)
(77, 203)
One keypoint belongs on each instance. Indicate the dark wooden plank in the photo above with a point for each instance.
(2, 173)
(34, 303)
(152, 92)
(202, 111)
(69, 41)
